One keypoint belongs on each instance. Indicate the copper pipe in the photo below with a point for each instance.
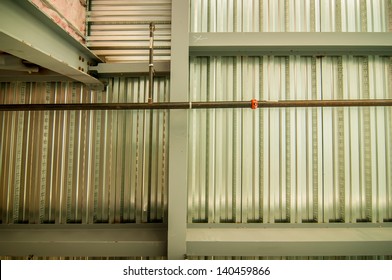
(196, 105)
(325, 103)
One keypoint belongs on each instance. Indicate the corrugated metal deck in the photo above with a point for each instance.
(290, 165)
(79, 166)
(290, 16)
(118, 31)
(328, 167)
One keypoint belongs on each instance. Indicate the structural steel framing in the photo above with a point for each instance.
(285, 240)
(117, 240)
(129, 69)
(27, 33)
(177, 239)
(286, 43)
(245, 240)
(178, 192)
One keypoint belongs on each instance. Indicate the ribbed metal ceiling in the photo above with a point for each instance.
(118, 30)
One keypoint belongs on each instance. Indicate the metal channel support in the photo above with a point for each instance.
(177, 184)
(27, 33)
(83, 240)
(343, 240)
(295, 43)
(133, 69)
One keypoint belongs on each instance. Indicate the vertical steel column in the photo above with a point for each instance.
(177, 197)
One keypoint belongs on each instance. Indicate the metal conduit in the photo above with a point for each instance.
(151, 65)
(197, 105)
(150, 101)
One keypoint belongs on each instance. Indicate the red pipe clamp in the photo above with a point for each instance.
(254, 104)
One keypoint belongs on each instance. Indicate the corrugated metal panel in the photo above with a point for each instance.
(290, 165)
(119, 30)
(82, 166)
(290, 15)
(357, 141)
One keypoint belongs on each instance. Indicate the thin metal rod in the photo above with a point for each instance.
(144, 149)
(151, 64)
(150, 101)
(195, 105)
(149, 190)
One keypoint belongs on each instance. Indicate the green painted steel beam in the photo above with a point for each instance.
(29, 34)
(83, 240)
(287, 240)
(130, 69)
(290, 43)
(177, 184)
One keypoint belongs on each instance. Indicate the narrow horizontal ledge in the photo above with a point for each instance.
(290, 43)
(129, 69)
(83, 240)
(311, 241)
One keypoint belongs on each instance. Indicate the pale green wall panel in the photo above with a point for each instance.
(290, 15)
(290, 165)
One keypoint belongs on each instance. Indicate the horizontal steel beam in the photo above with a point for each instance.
(286, 241)
(43, 75)
(27, 33)
(197, 105)
(83, 240)
(290, 43)
(129, 240)
(129, 69)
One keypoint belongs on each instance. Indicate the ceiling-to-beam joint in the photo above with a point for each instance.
(27, 33)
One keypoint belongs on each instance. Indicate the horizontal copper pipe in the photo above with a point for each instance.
(325, 103)
(196, 105)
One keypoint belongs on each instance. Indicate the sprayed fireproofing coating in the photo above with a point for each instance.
(68, 14)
